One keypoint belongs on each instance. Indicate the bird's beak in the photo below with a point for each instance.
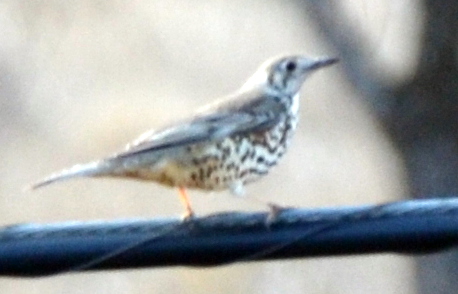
(322, 62)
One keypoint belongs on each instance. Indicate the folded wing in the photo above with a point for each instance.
(224, 119)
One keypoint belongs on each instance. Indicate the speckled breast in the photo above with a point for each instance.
(238, 159)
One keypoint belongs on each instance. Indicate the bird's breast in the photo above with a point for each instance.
(232, 161)
(240, 158)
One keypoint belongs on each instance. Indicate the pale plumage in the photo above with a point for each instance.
(225, 145)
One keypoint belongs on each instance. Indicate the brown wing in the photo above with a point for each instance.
(223, 119)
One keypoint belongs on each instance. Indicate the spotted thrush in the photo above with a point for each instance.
(227, 144)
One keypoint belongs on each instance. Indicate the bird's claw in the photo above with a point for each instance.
(274, 211)
(187, 216)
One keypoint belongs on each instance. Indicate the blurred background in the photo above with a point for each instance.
(80, 79)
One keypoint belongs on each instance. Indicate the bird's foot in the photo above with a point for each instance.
(274, 211)
(189, 213)
(187, 216)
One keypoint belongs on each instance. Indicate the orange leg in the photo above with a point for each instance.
(185, 200)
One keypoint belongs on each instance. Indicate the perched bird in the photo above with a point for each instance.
(225, 145)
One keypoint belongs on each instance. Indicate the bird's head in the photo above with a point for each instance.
(285, 75)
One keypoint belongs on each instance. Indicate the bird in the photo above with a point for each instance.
(225, 145)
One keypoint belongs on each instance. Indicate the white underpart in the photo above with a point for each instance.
(295, 104)
(237, 188)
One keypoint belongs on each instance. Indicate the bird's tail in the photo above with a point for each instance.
(80, 170)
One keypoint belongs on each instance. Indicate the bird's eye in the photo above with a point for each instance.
(291, 66)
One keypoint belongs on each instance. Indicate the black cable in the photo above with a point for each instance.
(416, 226)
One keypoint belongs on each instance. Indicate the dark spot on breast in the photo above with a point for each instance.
(260, 159)
(226, 153)
(201, 174)
(245, 156)
(284, 134)
(230, 166)
(194, 177)
(209, 171)
(253, 154)
(257, 171)
(258, 137)
(227, 150)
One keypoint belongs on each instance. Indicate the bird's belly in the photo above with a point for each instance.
(219, 165)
